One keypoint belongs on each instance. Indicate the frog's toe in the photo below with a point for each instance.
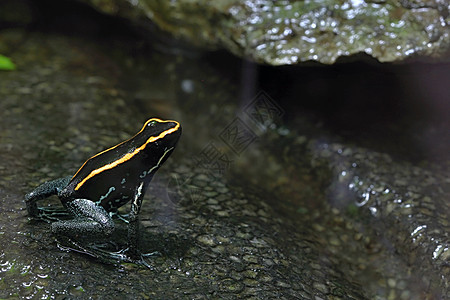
(154, 253)
(119, 256)
(141, 259)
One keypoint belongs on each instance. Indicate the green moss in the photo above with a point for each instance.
(6, 63)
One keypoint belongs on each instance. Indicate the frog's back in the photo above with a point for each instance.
(103, 178)
(114, 176)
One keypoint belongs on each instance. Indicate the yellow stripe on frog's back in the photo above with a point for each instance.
(127, 156)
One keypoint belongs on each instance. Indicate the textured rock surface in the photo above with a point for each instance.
(289, 32)
(407, 204)
(302, 212)
(220, 242)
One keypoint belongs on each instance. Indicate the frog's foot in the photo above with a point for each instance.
(123, 217)
(92, 250)
(104, 253)
(131, 256)
(52, 214)
(137, 257)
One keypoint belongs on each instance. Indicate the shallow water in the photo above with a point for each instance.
(287, 182)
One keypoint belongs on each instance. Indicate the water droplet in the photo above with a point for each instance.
(417, 230)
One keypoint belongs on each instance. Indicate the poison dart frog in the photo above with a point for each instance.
(107, 181)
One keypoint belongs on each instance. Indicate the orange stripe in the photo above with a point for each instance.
(127, 156)
(153, 119)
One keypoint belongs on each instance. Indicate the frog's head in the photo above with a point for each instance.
(162, 132)
(161, 138)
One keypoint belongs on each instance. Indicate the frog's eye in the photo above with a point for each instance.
(152, 123)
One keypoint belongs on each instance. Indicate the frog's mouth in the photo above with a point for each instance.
(172, 137)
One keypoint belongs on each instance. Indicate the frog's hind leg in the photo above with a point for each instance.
(87, 230)
(43, 191)
(91, 221)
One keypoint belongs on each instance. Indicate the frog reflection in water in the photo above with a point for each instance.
(107, 181)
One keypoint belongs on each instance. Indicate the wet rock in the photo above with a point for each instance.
(406, 204)
(397, 210)
(251, 252)
(290, 32)
(217, 238)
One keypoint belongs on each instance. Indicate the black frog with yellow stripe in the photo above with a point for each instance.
(107, 181)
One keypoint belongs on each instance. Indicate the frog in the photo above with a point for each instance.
(107, 181)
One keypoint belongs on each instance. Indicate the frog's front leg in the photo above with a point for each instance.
(91, 221)
(43, 191)
(133, 221)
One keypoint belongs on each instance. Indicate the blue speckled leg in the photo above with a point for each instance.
(43, 191)
(91, 221)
